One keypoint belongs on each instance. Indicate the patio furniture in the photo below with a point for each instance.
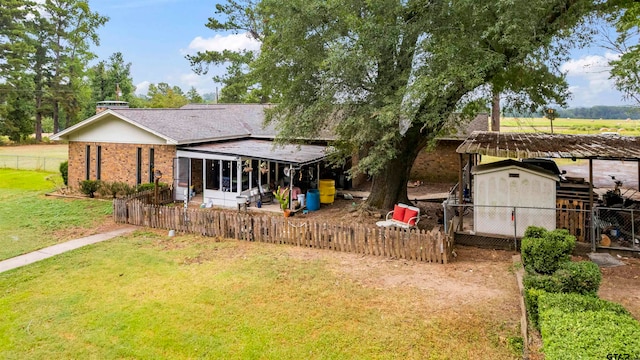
(402, 215)
(266, 196)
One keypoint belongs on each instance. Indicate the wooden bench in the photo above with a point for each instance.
(402, 215)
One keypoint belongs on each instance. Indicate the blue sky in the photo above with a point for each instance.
(155, 36)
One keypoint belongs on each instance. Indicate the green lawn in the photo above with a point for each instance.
(30, 221)
(570, 126)
(148, 297)
(45, 157)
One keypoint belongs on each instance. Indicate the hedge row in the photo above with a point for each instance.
(561, 300)
(575, 326)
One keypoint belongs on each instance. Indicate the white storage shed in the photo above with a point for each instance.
(510, 195)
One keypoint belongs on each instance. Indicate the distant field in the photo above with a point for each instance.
(33, 157)
(570, 126)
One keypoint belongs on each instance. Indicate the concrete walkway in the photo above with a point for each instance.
(50, 251)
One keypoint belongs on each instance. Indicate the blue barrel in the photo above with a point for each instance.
(313, 199)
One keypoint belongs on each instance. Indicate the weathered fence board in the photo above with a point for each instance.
(415, 245)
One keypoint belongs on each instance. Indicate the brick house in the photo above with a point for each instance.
(441, 164)
(220, 151)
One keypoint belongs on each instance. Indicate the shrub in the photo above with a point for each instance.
(89, 187)
(574, 325)
(548, 283)
(544, 254)
(582, 277)
(574, 303)
(535, 232)
(149, 186)
(64, 172)
(114, 189)
(531, 297)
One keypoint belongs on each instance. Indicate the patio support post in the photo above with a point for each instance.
(460, 184)
(460, 199)
(591, 209)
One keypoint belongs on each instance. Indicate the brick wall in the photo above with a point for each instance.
(440, 165)
(118, 162)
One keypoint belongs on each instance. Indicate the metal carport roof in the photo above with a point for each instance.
(296, 155)
(538, 145)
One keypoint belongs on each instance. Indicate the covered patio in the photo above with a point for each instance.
(226, 173)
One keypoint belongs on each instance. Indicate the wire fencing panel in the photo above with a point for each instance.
(511, 222)
(41, 163)
(617, 227)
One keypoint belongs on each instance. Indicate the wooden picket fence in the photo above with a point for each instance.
(417, 245)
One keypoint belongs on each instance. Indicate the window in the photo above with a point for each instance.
(151, 164)
(98, 162)
(87, 162)
(139, 167)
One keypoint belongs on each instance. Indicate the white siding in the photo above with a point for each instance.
(496, 194)
(114, 130)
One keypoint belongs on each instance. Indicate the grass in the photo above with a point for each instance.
(31, 221)
(149, 297)
(570, 126)
(33, 157)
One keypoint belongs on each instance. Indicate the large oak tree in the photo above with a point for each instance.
(387, 75)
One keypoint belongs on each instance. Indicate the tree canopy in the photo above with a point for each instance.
(386, 76)
(625, 71)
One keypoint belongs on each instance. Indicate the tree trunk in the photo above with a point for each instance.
(389, 187)
(495, 111)
(56, 117)
(38, 128)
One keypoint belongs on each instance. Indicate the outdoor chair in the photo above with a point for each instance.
(403, 216)
(266, 196)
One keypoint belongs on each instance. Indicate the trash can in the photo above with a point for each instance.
(301, 200)
(313, 199)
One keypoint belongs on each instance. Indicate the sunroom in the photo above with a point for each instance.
(223, 173)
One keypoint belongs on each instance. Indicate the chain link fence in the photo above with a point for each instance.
(503, 226)
(19, 162)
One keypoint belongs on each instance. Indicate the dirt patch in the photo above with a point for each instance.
(477, 276)
(431, 213)
(622, 285)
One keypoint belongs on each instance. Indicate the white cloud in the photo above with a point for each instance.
(589, 76)
(589, 65)
(233, 42)
(192, 79)
(142, 88)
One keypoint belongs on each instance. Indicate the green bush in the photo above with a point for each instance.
(149, 186)
(578, 326)
(574, 303)
(544, 254)
(531, 297)
(582, 277)
(89, 187)
(115, 189)
(535, 232)
(548, 283)
(64, 172)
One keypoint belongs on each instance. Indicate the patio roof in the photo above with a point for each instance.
(537, 145)
(296, 155)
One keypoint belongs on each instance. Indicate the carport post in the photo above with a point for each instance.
(593, 227)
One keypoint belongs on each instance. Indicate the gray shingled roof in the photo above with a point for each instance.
(536, 145)
(189, 125)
